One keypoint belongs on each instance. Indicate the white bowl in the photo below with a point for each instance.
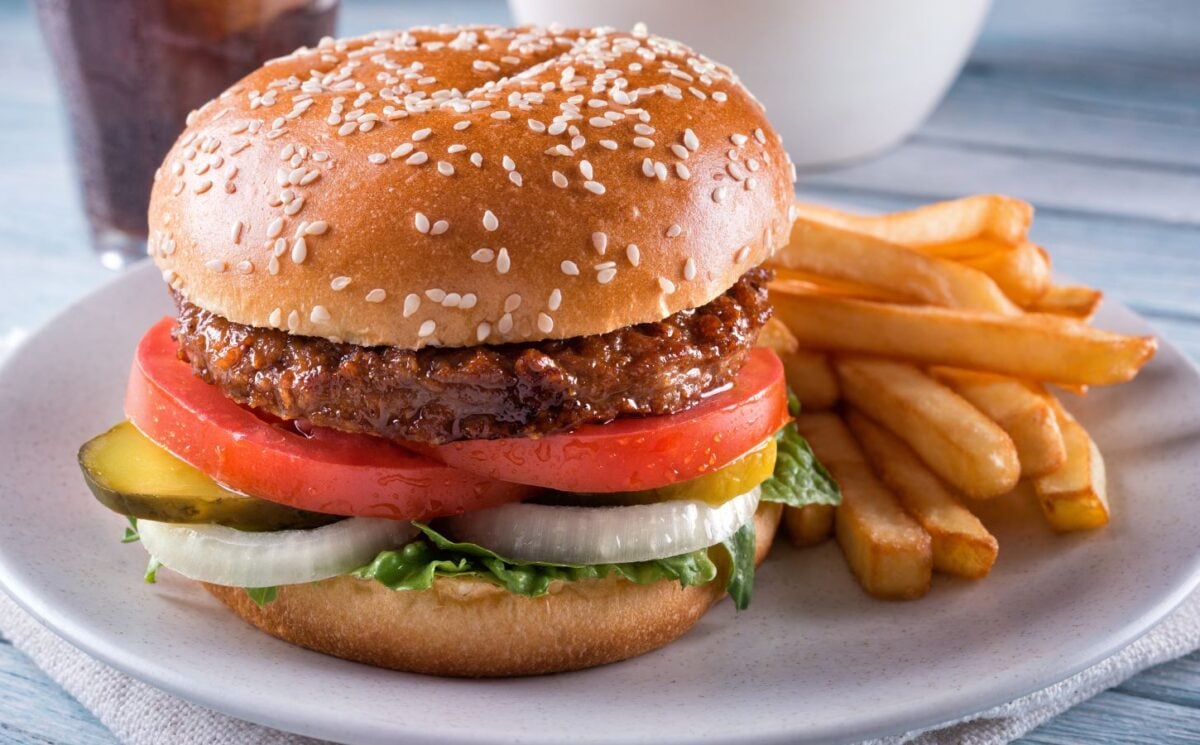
(841, 79)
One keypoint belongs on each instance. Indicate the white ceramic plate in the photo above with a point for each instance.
(814, 659)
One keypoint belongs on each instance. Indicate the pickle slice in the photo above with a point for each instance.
(715, 488)
(133, 476)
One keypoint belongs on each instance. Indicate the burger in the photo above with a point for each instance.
(463, 377)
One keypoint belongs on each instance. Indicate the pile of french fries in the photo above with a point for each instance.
(921, 345)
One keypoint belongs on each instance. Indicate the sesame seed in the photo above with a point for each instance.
(569, 268)
(634, 254)
(647, 168)
(293, 320)
(680, 151)
(468, 301)
(489, 221)
(437, 295)
(376, 158)
(535, 125)
(276, 318)
(378, 296)
(280, 248)
(719, 193)
(585, 167)
(689, 269)
(421, 222)
(604, 276)
(515, 177)
(319, 314)
(215, 265)
(417, 158)
(275, 227)
(402, 150)
(421, 134)
(559, 180)
(412, 302)
(666, 285)
(310, 177)
(460, 126)
(674, 231)
(660, 170)
(691, 140)
(600, 242)
(427, 328)
(557, 128)
(339, 283)
(545, 323)
(236, 231)
(451, 300)
(736, 171)
(643, 129)
(555, 299)
(608, 144)
(483, 255)
(347, 128)
(577, 142)
(760, 136)
(316, 228)
(477, 160)
(502, 261)
(751, 183)
(483, 330)
(203, 186)
(599, 121)
(512, 302)
(299, 251)
(508, 163)
(594, 187)
(506, 323)
(643, 142)
(273, 266)
(741, 254)
(719, 96)
(245, 266)
(682, 171)
(439, 227)
(456, 148)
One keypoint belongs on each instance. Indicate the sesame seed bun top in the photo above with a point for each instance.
(468, 185)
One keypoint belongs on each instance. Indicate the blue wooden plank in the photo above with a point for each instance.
(34, 708)
(1176, 682)
(1119, 717)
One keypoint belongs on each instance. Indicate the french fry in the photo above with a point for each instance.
(808, 282)
(950, 435)
(1075, 301)
(1075, 497)
(1022, 412)
(857, 257)
(983, 215)
(1033, 346)
(776, 336)
(962, 546)
(1023, 273)
(810, 524)
(888, 551)
(811, 378)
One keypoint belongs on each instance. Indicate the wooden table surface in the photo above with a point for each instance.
(1090, 110)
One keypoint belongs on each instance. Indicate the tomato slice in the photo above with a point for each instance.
(639, 453)
(323, 471)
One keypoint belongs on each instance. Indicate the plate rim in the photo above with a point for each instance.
(950, 706)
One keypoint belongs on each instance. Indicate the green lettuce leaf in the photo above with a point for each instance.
(740, 547)
(799, 478)
(416, 565)
(262, 595)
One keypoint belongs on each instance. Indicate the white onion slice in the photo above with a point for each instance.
(603, 535)
(225, 556)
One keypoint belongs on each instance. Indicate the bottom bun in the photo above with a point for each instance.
(468, 627)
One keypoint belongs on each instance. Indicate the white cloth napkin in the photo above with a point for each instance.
(139, 714)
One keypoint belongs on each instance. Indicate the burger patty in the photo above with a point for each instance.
(437, 395)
